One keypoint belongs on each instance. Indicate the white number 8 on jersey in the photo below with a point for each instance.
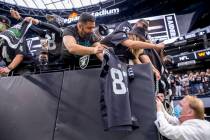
(117, 77)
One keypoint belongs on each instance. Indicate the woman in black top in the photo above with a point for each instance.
(128, 45)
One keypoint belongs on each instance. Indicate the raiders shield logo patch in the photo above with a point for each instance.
(83, 61)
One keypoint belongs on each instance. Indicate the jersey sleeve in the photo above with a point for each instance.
(69, 31)
(52, 28)
(22, 49)
(118, 37)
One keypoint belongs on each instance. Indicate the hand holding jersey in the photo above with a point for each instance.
(98, 48)
(84, 30)
(80, 43)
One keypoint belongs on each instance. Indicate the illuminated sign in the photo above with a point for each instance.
(187, 63)
(203, 54)
(182, 58)
(101, 13)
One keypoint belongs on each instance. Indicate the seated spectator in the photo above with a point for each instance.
(189, 126)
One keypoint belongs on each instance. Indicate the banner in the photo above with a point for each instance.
(34, 45)
(101, 13)
(187, 63)
(15, 34)
(162, 27)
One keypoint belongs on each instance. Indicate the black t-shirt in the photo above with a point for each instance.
(115, 98)
(115, 39)
(178, 83)
(192, 80)
(172, 79)
(87, 41)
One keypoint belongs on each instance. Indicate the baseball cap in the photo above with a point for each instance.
(5, 20)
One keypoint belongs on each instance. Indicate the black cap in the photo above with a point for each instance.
(5, 20)
(124, 26)
(103, 29)
(56, 20)
(140, 32)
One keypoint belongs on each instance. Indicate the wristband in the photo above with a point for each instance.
(9, 68)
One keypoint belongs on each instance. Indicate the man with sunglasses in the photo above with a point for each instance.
(189, 126)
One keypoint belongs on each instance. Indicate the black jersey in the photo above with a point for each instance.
(8, 53)
(115, 98)
(115, 39)
(54, 36)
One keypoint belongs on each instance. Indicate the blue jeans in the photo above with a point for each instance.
(193, 89)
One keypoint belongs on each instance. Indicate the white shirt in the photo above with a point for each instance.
(193, 129)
